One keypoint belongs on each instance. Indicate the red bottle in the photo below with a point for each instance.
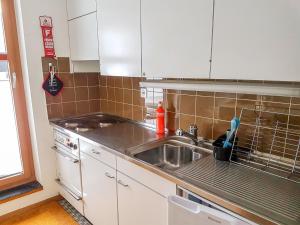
(160, 119)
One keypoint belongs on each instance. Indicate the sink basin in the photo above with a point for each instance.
(169, 154)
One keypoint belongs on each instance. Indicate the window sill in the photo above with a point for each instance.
(20, 191)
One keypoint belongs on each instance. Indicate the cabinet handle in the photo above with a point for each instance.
(66, 156)
(109, 176)
(77, 198)
(121, 182)
(95, 152)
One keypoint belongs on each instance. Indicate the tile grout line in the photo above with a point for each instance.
(195, 111)
(88, 90)
(288, 121)
(213, 116)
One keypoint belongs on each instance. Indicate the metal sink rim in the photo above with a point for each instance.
(180, 141)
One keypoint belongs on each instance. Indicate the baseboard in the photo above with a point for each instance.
(28, 208)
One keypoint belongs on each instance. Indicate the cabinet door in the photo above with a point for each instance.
(176, 38)
(84, 38)
(256, 40)
(99, 191)
(119, 37)
(140, 205)
(78, 8)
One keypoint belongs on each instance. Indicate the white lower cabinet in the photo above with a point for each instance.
(139, 205)
(125, 195)
(99, 191)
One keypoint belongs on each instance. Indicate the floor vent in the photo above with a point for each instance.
(80, 219)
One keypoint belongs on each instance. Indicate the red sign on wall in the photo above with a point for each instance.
(46, 25)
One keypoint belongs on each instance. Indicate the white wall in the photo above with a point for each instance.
(28, 12)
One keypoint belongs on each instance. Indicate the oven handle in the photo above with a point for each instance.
(68, 190)
(67, 157)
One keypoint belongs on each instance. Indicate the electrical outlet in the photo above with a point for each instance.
(143, 92)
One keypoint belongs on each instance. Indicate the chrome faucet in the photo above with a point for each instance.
(192, 134)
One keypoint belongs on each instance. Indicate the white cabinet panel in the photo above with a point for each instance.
(84, 38)
(98, 152)
(176, 38)
(99, 191)
(147, 178)
(119, 37)
(139, 205)
(69, 183)
(78, 8)
(256, 40)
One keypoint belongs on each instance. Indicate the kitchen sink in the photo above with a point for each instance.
(169, 154)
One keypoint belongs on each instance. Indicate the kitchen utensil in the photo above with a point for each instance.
(235, 122)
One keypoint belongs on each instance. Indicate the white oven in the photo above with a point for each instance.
(68, 169)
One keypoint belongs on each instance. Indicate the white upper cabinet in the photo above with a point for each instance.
(256, 40)
(176, 38)
(119, 37)
(78, 8)
(84, 38)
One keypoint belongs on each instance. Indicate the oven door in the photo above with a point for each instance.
(68, 177)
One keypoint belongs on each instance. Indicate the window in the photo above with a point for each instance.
(16, 164)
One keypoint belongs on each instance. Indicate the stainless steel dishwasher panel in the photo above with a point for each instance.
(188, 208)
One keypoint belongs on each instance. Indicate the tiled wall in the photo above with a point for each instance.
(121, 96)
(211, 111)
(81, 92)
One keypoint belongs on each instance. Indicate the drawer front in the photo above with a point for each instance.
(98, 152)
(147, 178)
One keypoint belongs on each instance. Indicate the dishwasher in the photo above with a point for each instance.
(187, 208)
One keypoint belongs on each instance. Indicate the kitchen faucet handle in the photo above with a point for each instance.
(193, 129)
(179, 132)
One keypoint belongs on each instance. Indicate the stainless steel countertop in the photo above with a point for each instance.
(257, 191)
(257, 196)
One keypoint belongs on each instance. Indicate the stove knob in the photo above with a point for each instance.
(75, 147)
(71, 145)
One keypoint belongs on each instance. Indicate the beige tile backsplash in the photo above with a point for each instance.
(212, 112)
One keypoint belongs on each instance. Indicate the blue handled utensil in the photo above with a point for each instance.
(235, 122)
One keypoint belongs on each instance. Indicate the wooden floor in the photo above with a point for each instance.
(50, 213)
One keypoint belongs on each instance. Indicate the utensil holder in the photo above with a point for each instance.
(220, 153)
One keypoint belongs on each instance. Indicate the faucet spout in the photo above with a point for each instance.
(192, 134)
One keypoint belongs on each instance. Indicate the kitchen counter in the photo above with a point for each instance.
(257, 196)
(119, 137)
(261, 193)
